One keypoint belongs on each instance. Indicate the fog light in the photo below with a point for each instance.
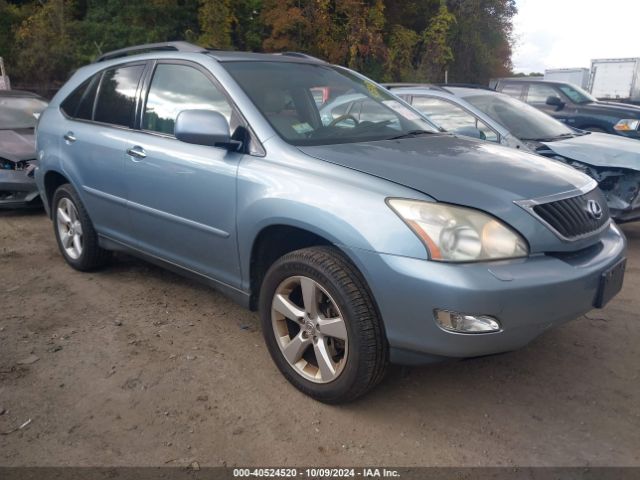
(463, 323)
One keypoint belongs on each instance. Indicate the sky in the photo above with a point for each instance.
(569, 33)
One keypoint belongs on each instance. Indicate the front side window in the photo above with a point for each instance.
(576, 94)
(452, 117)
(524, 121)
(538, 93)
(117, 97)
(20, 112)
(286, 95)
(175, 88)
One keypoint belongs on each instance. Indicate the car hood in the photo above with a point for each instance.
(17, 145)
(456, 170)
(599, 150)
(616, 108)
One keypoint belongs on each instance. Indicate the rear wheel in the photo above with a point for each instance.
(321, 326)
(76, 237)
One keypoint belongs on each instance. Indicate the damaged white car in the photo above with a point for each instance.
(613, 161)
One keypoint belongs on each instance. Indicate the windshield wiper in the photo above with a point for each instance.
(412, 134)
(549, 139)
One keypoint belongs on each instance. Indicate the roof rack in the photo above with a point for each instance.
(429, 86)
(152, 47)
(300, 55)
(465, 85)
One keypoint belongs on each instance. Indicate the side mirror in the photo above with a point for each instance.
(555, 102)
(204, 127)
(471, 132)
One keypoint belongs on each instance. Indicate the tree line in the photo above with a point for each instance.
(389, 40)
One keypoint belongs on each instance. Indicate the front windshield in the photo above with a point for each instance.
(522, 120)
(19, 112)
(349, 109)
(576, 94)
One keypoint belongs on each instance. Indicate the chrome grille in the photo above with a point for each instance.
(575, 217)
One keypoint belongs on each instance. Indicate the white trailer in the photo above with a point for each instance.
(577, 76)
(615, 79)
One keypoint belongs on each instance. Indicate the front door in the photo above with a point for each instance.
(182, 197)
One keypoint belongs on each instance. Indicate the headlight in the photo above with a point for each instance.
(627, 125)
(458, 234)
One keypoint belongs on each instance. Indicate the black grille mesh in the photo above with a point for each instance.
(571, 217)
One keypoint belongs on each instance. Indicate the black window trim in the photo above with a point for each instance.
(100, 73)
(499, 137)
(144, 92)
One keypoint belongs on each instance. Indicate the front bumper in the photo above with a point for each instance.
(528, 296)
(18, 190)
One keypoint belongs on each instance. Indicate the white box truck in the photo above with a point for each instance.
(616, 79)
(577, 76)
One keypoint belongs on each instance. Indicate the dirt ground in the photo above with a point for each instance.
(134, 365)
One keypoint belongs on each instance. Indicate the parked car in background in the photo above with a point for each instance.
(360, 242)
(19, 112)
(614, 162)
(574, 106)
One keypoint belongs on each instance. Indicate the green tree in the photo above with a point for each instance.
(216, 23)
(437, 52)
(43, 51)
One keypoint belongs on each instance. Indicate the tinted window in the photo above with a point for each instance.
(175, 88)
(538, 93)
(116, 100)
(80, 103)
(576, 94)
(452, 117)
(512, 89)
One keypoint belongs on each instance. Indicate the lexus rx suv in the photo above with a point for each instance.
(360, 239)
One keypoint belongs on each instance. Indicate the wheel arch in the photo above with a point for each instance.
(52, 180)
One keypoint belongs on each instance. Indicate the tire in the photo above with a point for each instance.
(360, 359)
(68, 213)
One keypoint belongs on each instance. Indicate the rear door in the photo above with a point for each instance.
(182, 197)
(99, 114)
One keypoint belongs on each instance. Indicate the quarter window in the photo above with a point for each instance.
(117, 97)
(512, 89)
(175, 88)
(80, 103)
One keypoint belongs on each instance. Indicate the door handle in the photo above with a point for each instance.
(136, 152)
(69, 137)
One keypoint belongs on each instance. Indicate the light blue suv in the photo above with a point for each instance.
(361, 239)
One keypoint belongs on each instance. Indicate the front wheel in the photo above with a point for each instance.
(321, 326)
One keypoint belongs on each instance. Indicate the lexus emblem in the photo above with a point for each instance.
(594, 209)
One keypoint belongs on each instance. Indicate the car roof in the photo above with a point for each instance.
(132, 52)
(531, 80)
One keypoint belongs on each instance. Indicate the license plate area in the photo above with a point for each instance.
(610, 283)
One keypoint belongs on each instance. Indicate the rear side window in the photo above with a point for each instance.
(80, 103)
(117, 96)
(538, 93)
(175, 88)
(512, 89)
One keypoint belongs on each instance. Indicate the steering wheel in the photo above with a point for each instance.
(339, 119)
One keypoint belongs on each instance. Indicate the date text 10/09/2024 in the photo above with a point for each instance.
(315, 473)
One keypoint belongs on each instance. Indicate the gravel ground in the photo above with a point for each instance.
(137, 366)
